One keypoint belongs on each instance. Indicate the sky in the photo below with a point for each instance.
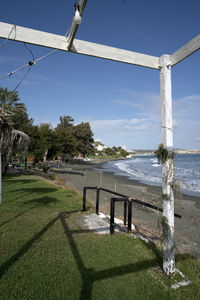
(121, 101)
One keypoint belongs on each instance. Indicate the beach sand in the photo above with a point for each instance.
(76, 175)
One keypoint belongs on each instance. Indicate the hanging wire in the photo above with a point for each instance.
(29, 51)
(14, 71)
(22, 79)
(2, 44)
(30, 63)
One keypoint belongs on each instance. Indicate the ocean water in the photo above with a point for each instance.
(146, 169)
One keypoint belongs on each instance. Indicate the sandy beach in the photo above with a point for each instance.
(76, 175)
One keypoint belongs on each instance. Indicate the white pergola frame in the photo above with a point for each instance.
(163, 63)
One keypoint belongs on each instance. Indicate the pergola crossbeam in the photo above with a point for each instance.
(116, 54)
(185, 51)
(44, 39)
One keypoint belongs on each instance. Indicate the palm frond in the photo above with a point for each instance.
(10, 139)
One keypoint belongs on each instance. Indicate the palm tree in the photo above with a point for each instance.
(10, 139)
(9, 100)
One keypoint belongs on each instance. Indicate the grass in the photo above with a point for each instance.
(46, 255)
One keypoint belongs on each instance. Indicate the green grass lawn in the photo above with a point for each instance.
(46, 255)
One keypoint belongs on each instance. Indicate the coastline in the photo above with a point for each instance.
(89, 173)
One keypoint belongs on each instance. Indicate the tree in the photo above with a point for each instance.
(52, 151)
(66, 122)
(21, 121)
(65, 140)
(65, 143)
(84, 138)
(10, 140)
(41, 141)
(115, 149)
(9, 101)
(45, 133)
(109, 151)
(123, 153)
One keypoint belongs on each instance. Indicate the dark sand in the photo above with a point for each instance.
(187, 230)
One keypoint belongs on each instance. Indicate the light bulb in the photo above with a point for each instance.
(77, 17)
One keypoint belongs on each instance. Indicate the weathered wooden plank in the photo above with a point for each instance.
(44, 39)
(185, 51)
(116, 54)
(32, 36)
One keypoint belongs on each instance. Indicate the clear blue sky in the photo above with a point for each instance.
(120, 101)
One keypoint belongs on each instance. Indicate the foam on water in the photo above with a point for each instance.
(135, 171)
(148, 170)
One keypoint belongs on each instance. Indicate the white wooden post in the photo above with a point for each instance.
(167, 171)
(0, 178)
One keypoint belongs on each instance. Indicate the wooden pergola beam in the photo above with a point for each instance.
(44, 39)
(185, 51)
(115, 54)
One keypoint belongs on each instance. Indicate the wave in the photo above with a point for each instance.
(156, 165)
(140, 174)
(148, 170)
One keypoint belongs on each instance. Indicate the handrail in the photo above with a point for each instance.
(140, 202)
(84, 194)
(146, 204)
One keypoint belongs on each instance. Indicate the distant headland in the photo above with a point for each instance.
(151, 152)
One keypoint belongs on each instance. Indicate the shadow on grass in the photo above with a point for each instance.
(17, 216)
(4, 267)
(88, 275)
(44, 201)
(36, 190)
(32, 191)
(9, 178)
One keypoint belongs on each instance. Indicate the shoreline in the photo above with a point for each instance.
(188, 194)
(89, 173)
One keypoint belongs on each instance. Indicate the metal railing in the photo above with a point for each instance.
(123, 198)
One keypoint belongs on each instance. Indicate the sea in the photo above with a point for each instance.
(147, 170)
